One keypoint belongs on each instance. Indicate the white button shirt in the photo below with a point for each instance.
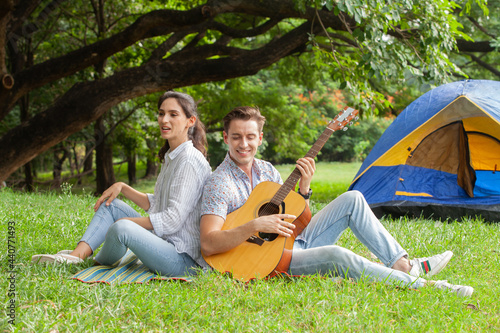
(175, 207)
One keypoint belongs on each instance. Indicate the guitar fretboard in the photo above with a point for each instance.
(294, 177)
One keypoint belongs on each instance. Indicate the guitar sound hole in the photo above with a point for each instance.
(268, 209)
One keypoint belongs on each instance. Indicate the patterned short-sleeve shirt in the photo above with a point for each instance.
(229, 187)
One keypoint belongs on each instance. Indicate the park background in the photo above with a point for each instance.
(80, 83)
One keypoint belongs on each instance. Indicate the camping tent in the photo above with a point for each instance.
(440, 157)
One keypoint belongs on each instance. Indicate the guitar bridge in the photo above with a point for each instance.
(255, 240)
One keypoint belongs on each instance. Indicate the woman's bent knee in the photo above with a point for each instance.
(123, 227)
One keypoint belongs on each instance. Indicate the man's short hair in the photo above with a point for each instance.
(244, 113)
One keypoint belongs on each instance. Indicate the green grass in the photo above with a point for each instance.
(47, 300)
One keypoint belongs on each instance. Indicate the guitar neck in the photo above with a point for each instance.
(294, 177)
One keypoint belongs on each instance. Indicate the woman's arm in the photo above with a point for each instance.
(144, 222)
(139, 198)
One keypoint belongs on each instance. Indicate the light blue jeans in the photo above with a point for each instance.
(103, 219)
(109, 225)
(314, 250)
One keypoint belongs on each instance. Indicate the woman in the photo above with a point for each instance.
(167, 241)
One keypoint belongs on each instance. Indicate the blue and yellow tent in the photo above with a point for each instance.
(440, 157)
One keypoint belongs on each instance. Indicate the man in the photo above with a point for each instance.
(314, 251)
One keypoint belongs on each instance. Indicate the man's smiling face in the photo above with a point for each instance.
(243, 139)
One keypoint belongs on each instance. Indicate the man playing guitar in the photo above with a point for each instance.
(314, 251)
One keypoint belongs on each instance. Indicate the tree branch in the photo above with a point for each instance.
(164, 47)
(466, 46)
(480, 27)
(483, 64)
(152, 24)
(56, 123)
(56, 68)
(243, 33)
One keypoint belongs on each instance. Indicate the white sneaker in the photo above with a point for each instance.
(59, 258)
(429, 266)
(462, 291)
(35, 258)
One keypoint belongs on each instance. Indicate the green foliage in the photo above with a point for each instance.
(138, 133)
(295, 116)
(381, 56)
(481, 4)
(481, 23)
(355, 143)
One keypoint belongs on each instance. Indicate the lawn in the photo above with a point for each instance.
(46, 300)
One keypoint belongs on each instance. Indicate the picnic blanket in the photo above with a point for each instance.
(129, 270)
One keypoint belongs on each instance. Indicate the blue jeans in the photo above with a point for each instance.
(156, 253)
(103, 219)
(314, 250)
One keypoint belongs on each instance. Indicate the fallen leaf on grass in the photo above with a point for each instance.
(472, 307)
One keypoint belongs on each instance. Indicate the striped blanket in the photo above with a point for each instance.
(129, 270)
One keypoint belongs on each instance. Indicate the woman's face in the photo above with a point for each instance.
(174, 124)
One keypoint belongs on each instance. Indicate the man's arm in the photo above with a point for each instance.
(307, 167)
(215, 240)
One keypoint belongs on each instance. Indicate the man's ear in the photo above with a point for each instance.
(261, 136)
(224, 134)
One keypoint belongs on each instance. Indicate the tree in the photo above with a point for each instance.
(479, 57)
(193, 42)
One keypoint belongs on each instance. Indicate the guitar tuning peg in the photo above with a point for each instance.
(344, 129)
(351, 123)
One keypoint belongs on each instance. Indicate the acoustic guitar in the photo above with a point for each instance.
(266, 254)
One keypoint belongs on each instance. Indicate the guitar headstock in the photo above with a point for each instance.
(343, 118)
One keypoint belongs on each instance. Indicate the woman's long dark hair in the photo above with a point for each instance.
(196, 133)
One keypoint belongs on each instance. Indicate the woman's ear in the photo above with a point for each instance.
(191, 121)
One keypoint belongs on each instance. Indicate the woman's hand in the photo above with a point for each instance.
(111, 193)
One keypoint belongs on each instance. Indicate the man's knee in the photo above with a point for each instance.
(353, 195)
(343, 257)
(334, 253)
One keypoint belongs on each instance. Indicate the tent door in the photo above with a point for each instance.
(444, 150)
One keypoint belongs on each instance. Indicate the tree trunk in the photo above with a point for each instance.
(151, 168)
(151, 165)
(131, 167)
(73, 162)
(58, 166)
(20, 60)
(89, 161)
(28, 173)
(105, 175)
(28, 177)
